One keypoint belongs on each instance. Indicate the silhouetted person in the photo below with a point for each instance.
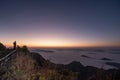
(14, 43)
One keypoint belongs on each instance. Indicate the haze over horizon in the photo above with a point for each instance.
(60, 23)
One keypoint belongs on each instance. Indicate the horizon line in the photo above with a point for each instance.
(90, 46)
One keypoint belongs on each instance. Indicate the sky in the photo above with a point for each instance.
(60, 23)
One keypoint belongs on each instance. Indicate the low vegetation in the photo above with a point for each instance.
(24, 67)
(31, 66)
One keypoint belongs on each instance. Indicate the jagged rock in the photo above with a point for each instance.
(85, 56)
(75, 66)
(106, 59)
(2, 47)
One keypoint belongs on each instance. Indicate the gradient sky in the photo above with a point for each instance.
(50, 23)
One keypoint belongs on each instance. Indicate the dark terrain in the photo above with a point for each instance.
(26, 65)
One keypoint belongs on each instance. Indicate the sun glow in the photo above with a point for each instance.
(33, 42)
(49, 44)
(52, 43)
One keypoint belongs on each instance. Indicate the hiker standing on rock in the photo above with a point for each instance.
(14, 45)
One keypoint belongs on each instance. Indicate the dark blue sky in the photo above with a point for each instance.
(60, 22)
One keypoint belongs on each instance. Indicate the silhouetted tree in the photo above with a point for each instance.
(25, 49)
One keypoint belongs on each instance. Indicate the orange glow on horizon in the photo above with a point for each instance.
(55, 44)
(59, 43)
